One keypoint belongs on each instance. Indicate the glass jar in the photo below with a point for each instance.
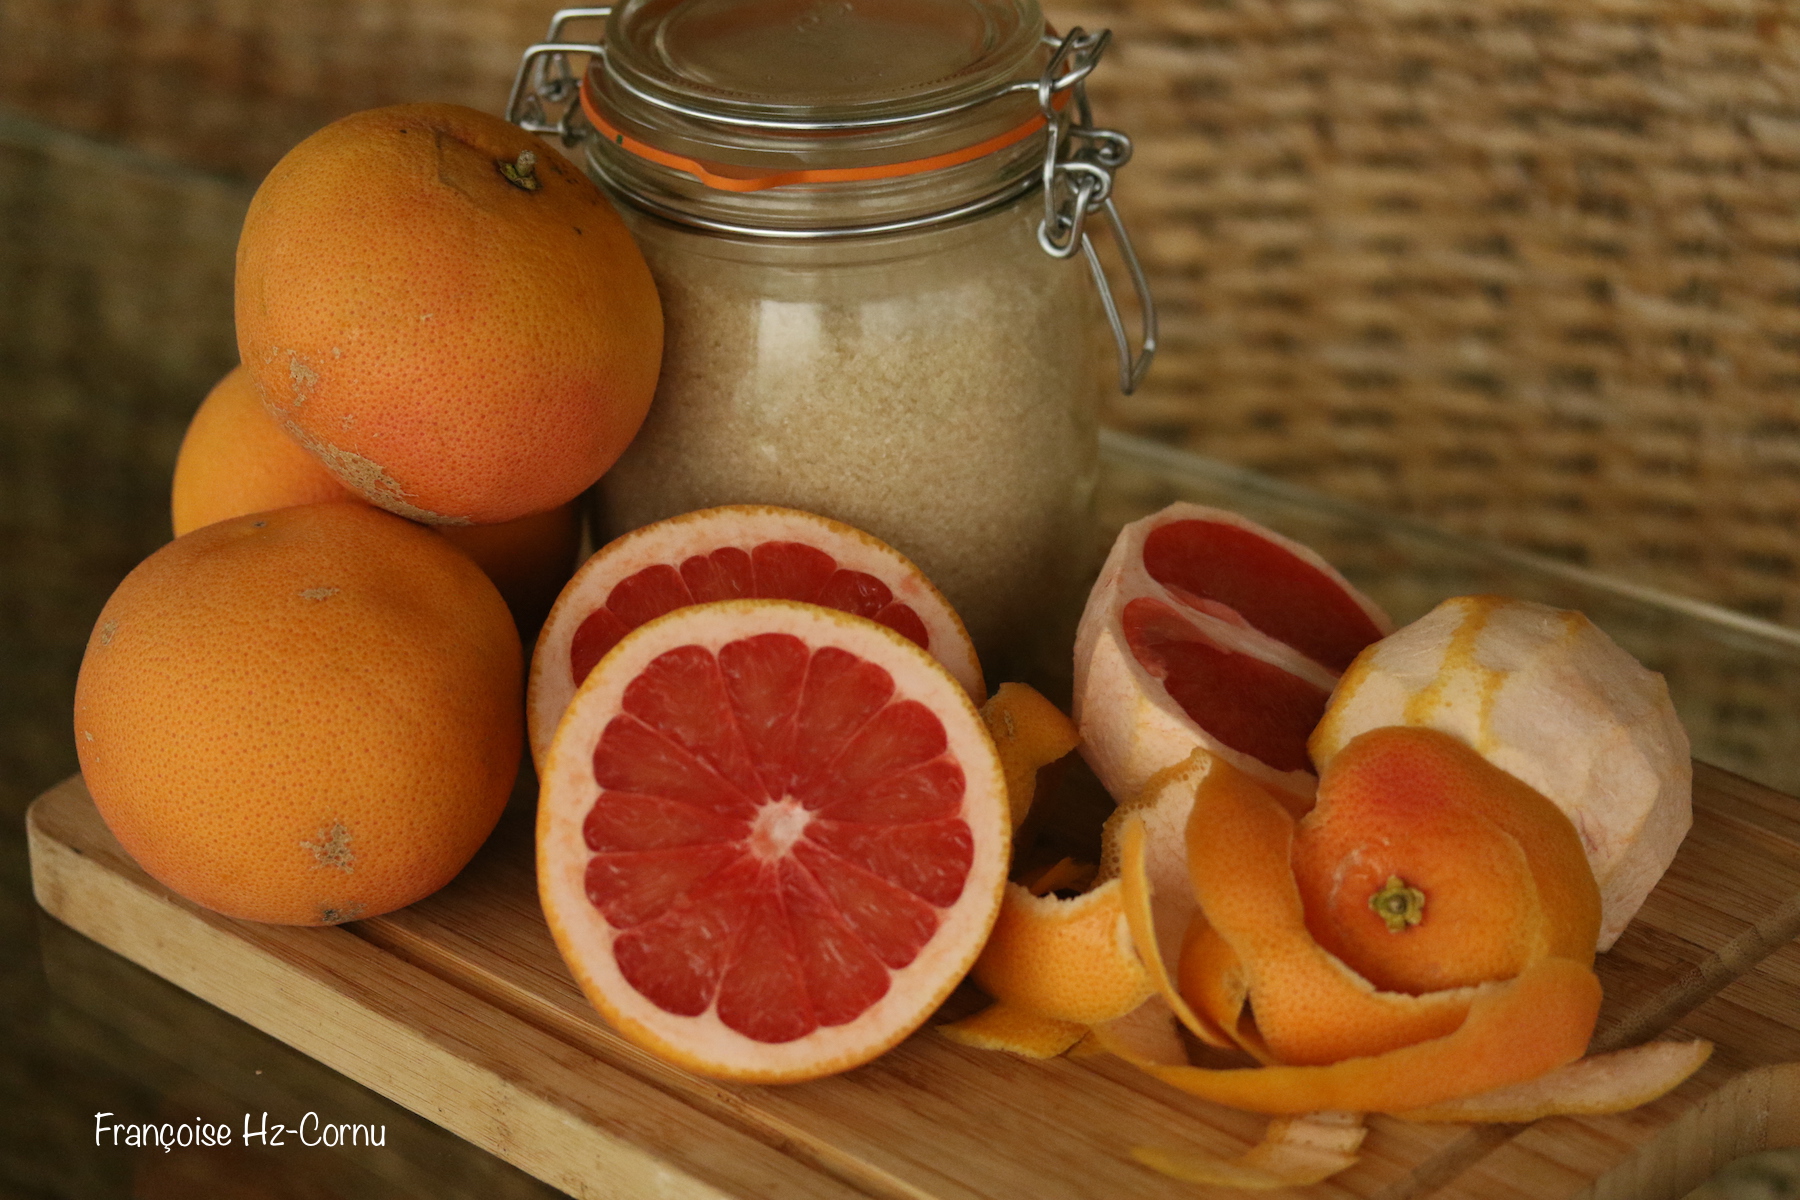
(862, 219)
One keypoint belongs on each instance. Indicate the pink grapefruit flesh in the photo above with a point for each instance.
(734, 552)
(772, 837)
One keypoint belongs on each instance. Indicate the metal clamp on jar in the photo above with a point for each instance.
(860, 216)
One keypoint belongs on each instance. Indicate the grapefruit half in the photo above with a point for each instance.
(736, 551)
(1207, 630)
(771, 838)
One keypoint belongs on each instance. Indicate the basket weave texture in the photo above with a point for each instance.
(1530, 271)
(1527, 270)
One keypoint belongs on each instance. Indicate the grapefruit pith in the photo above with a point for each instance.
(738, 551)
(771, 838)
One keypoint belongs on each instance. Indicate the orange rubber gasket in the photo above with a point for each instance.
(728, 178)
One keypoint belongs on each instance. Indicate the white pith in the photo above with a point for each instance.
(745, 526)
(585, 938)
(776, 827)
(1131, 728)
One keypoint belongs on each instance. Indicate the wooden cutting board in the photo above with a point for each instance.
(460, 1009)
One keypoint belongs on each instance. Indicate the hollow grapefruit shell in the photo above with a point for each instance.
(771, 838)
(1207, 630)
(738, 550)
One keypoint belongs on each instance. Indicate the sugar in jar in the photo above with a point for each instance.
(864, 219)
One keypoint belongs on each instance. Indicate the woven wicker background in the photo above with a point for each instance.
(1528, 270)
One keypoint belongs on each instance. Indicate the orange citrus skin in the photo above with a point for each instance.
(451, 345)
(235, 460)
(303, 716)
(1500, 869)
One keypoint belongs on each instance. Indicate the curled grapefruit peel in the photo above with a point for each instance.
(739, 551)
(771, 838)
(1546, 696)
(1512, 1047)
(1206, 630)
(1054, 965)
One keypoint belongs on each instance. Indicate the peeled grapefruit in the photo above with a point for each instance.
(1205, 630)
(739, 550)
(1547, 697)
(235, 460)
(446, 313)
(303, 716)
(771, 838)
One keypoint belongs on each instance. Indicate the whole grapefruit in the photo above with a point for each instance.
(235, 460)
(303, 716)
(446, 313)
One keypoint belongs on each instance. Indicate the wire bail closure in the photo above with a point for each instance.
(1077, 176)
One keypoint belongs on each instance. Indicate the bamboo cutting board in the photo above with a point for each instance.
(460, 1009)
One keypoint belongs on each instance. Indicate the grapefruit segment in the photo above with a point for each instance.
(772, 837)
(1208, 631)
(741, 551)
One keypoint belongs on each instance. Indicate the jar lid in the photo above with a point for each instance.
(820, 61)
(749, 94)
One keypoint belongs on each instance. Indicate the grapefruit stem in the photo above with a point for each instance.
(1400, 907)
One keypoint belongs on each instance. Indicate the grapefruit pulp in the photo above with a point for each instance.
(732, 552)
(771, 838)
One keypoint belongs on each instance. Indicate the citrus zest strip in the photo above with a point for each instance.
(1555, 998)
(1310, 1007)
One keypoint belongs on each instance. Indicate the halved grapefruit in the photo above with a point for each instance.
(771, 838)
(738, 551)
(1205, 629)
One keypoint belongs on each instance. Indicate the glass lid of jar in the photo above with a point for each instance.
(825, 61)
(780, 85)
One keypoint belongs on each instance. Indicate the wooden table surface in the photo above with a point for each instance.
(459, 1008)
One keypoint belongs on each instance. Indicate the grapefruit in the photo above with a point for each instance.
(1206, 630)
(740, 550)
(1546, 696)
(303, 716)
(235, 460)
(446, 313)
(771, 838)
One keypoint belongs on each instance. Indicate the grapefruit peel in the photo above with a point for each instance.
(704, 1043)
(1294, 1152)
(1546, 696)
(1030, 733)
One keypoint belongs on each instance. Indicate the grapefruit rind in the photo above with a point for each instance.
(1294, 1152)
(1002, 1026)
(1069, 960)
(1030, 733)
(703, 1043)
(670, 542)
(1603, 1083)
(1548, 697)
